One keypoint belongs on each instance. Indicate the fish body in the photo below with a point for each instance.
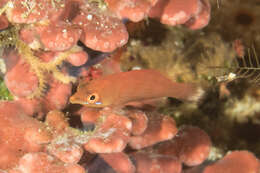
(125, 87)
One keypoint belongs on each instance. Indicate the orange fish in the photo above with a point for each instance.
(121, 88)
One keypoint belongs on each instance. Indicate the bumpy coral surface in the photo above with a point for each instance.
(193, 13)
(53, 28)
(46, 46)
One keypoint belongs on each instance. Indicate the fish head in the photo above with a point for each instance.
(89, 96)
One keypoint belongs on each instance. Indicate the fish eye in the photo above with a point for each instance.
(92, 98)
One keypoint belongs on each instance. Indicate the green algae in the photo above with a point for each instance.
(4, 93)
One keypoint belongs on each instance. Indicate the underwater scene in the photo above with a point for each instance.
(129, 86)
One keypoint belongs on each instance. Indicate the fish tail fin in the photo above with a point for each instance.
(187, 92)
(196, 94)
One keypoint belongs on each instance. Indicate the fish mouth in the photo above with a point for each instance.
(74, 100)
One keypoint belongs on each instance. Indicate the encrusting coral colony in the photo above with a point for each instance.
(42, 40)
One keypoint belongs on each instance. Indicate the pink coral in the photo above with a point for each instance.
(191, 145)
(27, 11)
(139, 120)
(43, 163)
(68, 153)
(45, 35)
(3, 22)
(235, 162)
(131, 9)
(57, 121)
(19, 134)
(112, 134)
(160, 128)
(101, 30)
(149, 163)
(125, 166)
(194, 13)
(58, 147)
(20, 81)
(59, 25)
(59, 36)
